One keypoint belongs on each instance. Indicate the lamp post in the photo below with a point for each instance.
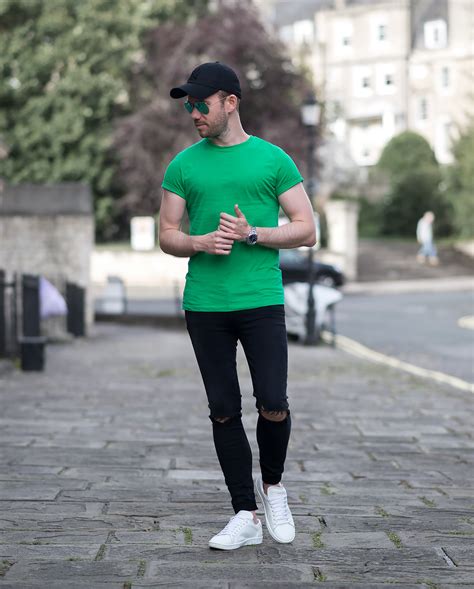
(310, 115)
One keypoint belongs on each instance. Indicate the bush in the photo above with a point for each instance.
(414, 180)
(370, 218)
(460, 184)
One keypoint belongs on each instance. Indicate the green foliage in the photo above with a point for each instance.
(64, 77)
(370, 218)
(405, 152)
(414, 180)
(272, 93)
(460, 183)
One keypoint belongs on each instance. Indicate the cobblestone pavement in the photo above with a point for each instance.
(109, 477)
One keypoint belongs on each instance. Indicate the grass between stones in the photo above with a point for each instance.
(327, 490)
(318, 575)
(317, 542)
(427, 502)
(381, 511)
(141, 568)
(5, 566)
(393, 537)
(431, 585)
(188, 535)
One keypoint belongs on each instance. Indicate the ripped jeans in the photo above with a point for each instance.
(262, 334)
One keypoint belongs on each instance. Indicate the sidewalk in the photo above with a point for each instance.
(109, 477)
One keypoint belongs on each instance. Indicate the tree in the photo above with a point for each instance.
(460, 189)
(272, 92)
(65, 69)
(414, 180)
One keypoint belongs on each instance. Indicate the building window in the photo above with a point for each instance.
(362, 81)
(423, 109)
(436, 34)
(346, 41)
(445, 81)
(385, 78)
(343, 33)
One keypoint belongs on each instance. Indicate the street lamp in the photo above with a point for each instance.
(310, 116)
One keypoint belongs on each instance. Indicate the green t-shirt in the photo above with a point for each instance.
(212, 180)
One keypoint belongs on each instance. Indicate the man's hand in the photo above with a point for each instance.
(217, 243)
(235, 228)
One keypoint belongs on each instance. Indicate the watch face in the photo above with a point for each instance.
(252, 238)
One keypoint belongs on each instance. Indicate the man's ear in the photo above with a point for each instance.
(233, 101)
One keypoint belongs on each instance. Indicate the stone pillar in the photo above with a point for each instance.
(342, 217)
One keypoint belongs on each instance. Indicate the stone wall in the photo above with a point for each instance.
(48, 230)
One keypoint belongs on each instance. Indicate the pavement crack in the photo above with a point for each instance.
(445, 556)
(322, 521)
(101, 552)
(111, 537)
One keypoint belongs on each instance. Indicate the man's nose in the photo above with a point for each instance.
(195, 113)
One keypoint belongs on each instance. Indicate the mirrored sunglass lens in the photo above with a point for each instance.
(202, 107)
(188, 106)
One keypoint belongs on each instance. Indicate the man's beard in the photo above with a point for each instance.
(215, 129)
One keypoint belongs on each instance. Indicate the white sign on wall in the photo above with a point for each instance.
(142, 232)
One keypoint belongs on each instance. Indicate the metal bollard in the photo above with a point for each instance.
(76, 309)
(32, 353)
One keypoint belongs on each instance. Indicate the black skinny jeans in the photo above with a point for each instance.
(262, 333)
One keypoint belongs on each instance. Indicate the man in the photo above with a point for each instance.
(424, 236)
(232, 185)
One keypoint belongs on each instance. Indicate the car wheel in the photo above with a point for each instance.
(326, 280)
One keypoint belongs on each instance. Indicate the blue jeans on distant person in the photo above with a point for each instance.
(428, 249)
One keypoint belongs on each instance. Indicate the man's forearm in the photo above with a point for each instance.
(179, 244)
(293, 234)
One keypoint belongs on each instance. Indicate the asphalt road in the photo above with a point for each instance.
(420, 328)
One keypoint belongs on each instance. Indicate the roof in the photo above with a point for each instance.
(68, 198)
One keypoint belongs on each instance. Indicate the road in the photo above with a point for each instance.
(420, 328)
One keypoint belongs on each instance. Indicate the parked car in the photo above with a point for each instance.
(294, 268)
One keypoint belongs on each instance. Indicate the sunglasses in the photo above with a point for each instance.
(202, 107)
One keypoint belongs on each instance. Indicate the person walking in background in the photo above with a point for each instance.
(424, 236)
(232, 185)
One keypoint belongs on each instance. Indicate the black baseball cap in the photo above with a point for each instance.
(208, 79)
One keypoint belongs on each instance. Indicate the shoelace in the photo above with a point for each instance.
(280, 511)
(234, 525)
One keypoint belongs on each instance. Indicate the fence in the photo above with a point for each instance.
(20, 318)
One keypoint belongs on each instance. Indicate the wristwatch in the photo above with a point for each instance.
(252, 237)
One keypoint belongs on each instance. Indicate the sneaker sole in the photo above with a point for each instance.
(269, 527)
(248, 542)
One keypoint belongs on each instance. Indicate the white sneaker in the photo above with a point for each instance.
(240, 531)
(278, 516)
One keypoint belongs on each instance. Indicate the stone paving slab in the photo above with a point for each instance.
(109, 479)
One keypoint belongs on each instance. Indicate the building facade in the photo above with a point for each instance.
(382, 67)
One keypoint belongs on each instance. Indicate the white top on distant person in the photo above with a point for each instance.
(424, 236)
